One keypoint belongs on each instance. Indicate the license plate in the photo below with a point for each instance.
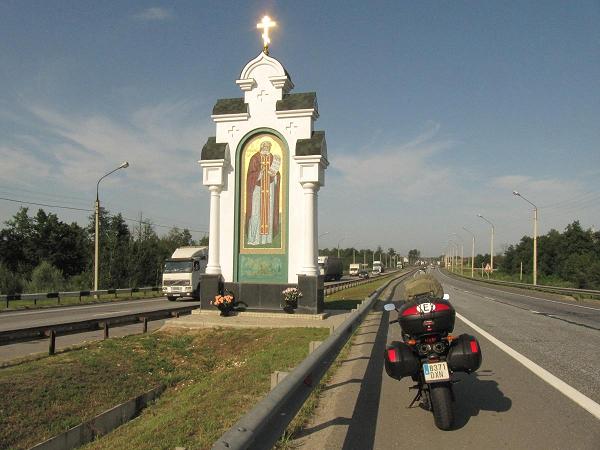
(435, 372)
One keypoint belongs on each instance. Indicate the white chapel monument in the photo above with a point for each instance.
(264, 168)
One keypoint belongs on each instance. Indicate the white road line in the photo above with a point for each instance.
(74, 308)
(585, 402)
(528, 296)
(113, 312)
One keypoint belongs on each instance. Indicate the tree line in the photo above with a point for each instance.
(41, 253)
(572, 256)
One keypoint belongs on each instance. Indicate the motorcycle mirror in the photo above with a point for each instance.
(446, 297)
(389, 307)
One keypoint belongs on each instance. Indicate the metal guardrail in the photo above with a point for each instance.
(58, 295)
(353, 283)
(537, 287)
(82, 326)
(263, 425)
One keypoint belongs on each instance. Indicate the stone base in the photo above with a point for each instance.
(264, 314)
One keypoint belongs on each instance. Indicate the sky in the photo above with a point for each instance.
(434, 111)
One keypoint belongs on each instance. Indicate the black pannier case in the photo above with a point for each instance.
(464, 354)
(400, 361)
(419, 317)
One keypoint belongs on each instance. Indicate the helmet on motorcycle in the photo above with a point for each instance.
(423, 285)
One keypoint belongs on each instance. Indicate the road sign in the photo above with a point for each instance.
(487, 269)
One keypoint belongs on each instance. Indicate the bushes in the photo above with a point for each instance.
(46, 278)
(10, 283)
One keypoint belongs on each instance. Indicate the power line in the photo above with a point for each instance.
(91, 210)
(44, 204)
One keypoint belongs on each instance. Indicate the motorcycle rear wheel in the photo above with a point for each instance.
(441, 403)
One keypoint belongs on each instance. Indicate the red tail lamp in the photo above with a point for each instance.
(474, 347)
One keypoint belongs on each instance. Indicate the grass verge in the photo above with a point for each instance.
(312, 402)
(351, 297)
(213, 378)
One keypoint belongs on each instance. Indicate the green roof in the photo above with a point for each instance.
(230, 106)
(302, 100)
(316, 145)
(212, 150)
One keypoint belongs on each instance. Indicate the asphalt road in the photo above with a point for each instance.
(14, 320)
(503, 406)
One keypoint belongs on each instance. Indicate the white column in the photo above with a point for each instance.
(310, 228)
(213, 266)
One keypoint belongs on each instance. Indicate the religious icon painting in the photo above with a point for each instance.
(263, 196)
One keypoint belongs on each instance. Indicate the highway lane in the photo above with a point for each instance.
(503, 405)
(14, 320)
(560, 336)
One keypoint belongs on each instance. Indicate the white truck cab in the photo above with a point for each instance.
(181, 272)
(377, 267)
(354, 269)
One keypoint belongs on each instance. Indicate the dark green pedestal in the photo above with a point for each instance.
(210, 286)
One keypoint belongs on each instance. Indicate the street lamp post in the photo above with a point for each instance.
(338, 246)
(535, 220)
(491, 242)
(472, 251)
(96, 214)
(462, 251)
(354, 252)
(454, 255)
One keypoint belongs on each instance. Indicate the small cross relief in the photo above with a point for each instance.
(232, 130)
(259, 96)
(290, 127)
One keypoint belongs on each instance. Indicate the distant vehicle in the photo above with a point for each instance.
(363, 274)
(377, 267)
(354, 269)
(330, 267)
(181, 273)
(399, 265)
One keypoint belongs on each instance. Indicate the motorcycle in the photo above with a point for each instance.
(430, 355)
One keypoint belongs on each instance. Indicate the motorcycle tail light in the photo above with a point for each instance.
(430, 339)
(392, 354)
(474, 347)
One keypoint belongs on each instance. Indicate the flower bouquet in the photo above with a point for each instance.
(290, 299)
(224, 302)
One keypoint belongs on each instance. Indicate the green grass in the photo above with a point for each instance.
(49, 302)
(351, 297)
(213, 378)
(527, 278)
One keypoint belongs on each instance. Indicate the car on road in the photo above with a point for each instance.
(363, 274)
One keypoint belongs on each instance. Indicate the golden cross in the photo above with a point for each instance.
(265, 24)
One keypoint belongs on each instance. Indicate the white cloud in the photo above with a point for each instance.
(154, 14)
(65, 153)
(159, 141)
(408, 165)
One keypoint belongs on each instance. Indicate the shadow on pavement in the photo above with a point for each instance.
(361, 432)
(474, 393)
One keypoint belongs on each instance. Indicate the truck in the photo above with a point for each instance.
(354, 268)
(330, 267)
(377, 267)
(181, 272)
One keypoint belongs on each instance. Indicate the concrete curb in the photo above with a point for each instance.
(102, 424)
